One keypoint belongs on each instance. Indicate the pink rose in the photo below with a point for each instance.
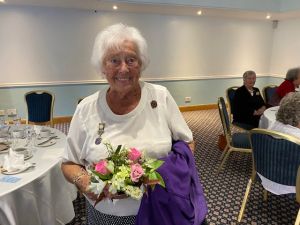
(101, 167)
(136, 172)
(134, 154)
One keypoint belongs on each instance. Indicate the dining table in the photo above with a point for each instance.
(39, 195)
(268, 117)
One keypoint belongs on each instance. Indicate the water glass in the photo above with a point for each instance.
(29, 135)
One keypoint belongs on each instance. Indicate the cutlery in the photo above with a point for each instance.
(49, 139)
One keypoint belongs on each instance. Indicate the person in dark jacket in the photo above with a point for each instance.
(248, 104)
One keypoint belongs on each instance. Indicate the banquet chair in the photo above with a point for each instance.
(39, 107)
(230, 96)
(268, 93)
(236, 142)
(276, 158)
(79, 100)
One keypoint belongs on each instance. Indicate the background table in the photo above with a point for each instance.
(268, 118)
(42, 196)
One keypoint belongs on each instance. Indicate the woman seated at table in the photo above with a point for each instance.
(288, 115)
(248, 104)
(292, 81)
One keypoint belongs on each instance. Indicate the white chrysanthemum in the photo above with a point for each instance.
(97, 188)
(133, 192)
(118, 180)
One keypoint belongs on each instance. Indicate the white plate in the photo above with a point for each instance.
(4, 151)
(50, 143)
(24, 151)
(17, 171)
(28, 156)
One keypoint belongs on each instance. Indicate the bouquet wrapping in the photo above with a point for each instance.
(126, 172)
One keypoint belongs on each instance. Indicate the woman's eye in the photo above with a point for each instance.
(131, 60)
(115, 61)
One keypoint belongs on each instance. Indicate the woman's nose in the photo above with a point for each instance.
(123, 66)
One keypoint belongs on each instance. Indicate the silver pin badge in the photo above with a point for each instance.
(100, 131)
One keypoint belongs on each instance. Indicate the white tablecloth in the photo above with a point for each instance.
(268, 118)
(42, 196)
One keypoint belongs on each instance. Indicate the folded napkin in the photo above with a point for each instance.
(14, 162)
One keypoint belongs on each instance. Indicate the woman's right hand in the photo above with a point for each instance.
(83, 186)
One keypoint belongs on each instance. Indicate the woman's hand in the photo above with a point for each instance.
(83, 186)
(259, 111)
(77, 175)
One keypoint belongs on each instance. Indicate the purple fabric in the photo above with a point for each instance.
(183, 201)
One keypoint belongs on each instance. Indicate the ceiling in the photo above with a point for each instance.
(248, 9)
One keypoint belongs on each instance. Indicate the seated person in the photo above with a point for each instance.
(248, 104)
(291, 82)
(288, 115)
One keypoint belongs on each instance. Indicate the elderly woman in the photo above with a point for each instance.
(128, 111)
(248, 104)
(292, 81)
(288, 115)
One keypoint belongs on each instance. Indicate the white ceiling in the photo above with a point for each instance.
(248, 9)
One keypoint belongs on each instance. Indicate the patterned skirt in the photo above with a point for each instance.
(94, 217)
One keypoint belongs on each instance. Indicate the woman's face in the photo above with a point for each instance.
(249, 81)
(122, 67)
(297, 81)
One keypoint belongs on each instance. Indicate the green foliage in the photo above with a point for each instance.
(101, 176)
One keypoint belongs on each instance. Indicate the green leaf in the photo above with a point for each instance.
(156, 164)
(153, 176)
(101, 176)
(161, 180)
(118, 149)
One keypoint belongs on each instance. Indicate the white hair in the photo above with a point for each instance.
(113, 37)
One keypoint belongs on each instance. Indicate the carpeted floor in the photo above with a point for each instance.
(224, 191)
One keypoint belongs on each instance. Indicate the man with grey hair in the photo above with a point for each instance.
(288, 115)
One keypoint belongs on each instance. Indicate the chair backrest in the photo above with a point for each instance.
(276, 156)
(79, 100)
(268, 92)
(39, 106)
(230, 92)
(224, 118)
(298, 186)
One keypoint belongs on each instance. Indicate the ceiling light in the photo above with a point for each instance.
(2, 1)
(115, 7)
(268, 17)
(199, 12)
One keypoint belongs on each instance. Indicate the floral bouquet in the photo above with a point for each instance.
(126, 172)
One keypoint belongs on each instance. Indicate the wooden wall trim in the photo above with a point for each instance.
(67, 119)
(197, 107)
(62, 119)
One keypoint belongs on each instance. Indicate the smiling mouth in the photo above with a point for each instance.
(123, 78)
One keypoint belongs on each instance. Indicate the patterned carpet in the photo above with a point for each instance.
(224, 191)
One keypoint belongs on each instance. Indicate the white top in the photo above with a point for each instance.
(285, 128)
(146, 127)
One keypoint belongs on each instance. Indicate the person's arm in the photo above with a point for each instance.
(72, 166)
(177, 124)
(261, 104)
(77, 175)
